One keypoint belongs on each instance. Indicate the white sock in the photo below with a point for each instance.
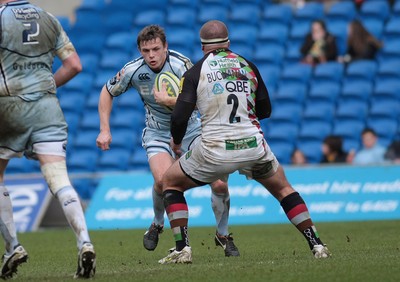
(220, 204)
(7, 226)
(73, 211)
(158, 208)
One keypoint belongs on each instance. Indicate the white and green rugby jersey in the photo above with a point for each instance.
(139, 75)
(29, 39)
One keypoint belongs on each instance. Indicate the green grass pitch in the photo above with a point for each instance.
(362, 251)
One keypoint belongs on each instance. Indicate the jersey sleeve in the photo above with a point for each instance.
(263, 102)
(119, 83)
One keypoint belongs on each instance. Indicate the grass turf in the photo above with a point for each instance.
(362, 251)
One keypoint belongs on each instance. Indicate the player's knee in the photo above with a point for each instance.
(220, 187)
(56, 175)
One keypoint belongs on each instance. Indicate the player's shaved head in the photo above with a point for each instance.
(213, 29)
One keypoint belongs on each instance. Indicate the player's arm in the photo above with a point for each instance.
(185, 105)
(104, 138)
(263, 103)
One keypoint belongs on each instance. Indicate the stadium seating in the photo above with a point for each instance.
(179, 16)
(328, 72)
(269, 54)
(327, 92)
(314, 130)
(385, 128)
(375, 10)
(282, 151)
(341, 11)
(281, 13)
(208, 12)
(151, 16)
(275, 33)
(360, 90)
(124, 41)
(245, 12)
(311, 150)
(361, 69)
(352, 110)
(82, 160)
(317, 111)
(116, 159)
(296, 73)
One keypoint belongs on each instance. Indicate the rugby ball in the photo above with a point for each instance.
(171, 82)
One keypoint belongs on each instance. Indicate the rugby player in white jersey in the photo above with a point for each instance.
(32, 122)
(231, 98)
(140, 74)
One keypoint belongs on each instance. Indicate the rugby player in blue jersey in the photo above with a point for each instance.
(32, 122)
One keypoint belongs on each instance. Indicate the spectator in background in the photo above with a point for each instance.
(393, 152)
(319, 46)
(332, 150)
(361, 44)
(298, 157)
(371, 153)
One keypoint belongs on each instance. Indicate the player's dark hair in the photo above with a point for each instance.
(151, 32)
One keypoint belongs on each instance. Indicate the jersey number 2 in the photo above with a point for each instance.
(29, 34)
(232, 98)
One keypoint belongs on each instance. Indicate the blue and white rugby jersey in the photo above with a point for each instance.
(29, 39)
(139, 75)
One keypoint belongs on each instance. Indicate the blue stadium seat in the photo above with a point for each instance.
(270, 75)
(179, 16)
(339, 30)
(310, 11)
(138, 160)
(287, 112)
(311, 150)
(124, 41)
(374, 26)
(387, 89)
(89, 63)
(342, 11)
(92, 101)
(384, 109)
(375, 9)
(297, 73)
(361, 69)
(84, 41)
(81, 83)
(65, 22)
(282, 151)
(88, 20)
(185, 3)
(181, 39)
(137, 8)
(116, 159)
(113, 60)
(85, 187)
(82, 159)
(281, 13)
(299, 29)
(152, 16)
(243, 49)
(317, 111)
(396, 8)
(129, 100)
(20, 165)
(224, 3)
(389, 70)
(328, 72)
(324, 92)
(118, 21)
(352, 110)
(208, 12)
(128, 119)
(245, 12)
(356, 90)
(124, 139)
(390, 50)
(101, 78)
(315, 130)
(90, 121)
(243, 33)
(269, 54)
(285, 133)
(98, 5)
(293, 54)
(349, 128)
(275, 33)
(72, 120)
(72, 102)
(391, 29)
(86, 139)
(292, 92)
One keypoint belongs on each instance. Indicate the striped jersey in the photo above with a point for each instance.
(29, 39)
(139, 75)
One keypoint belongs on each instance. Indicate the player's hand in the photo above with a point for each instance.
(176, 148)
(103, 140)
(162, 95)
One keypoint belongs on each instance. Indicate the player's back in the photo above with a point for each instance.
(29, 38)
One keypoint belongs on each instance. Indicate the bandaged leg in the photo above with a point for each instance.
(7, 226)
(220, 204)
(57, 178)
(159, 209)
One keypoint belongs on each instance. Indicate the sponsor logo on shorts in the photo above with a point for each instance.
(188, 154)
(241, 144)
